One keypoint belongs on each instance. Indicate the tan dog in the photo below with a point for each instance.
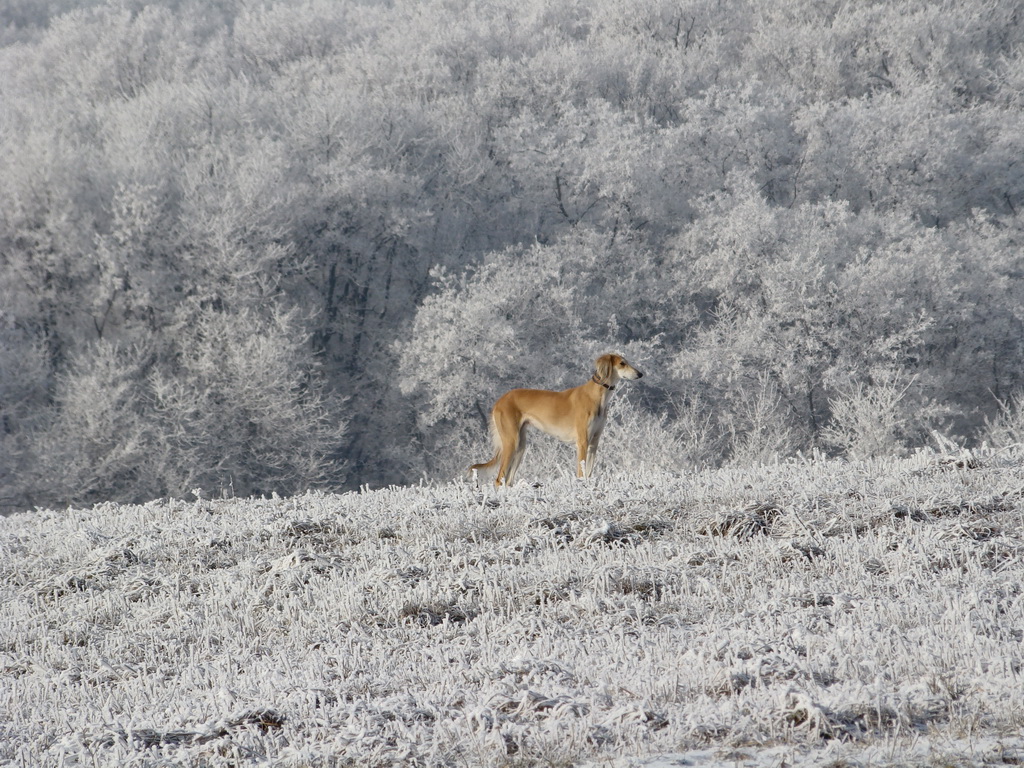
(576, 414)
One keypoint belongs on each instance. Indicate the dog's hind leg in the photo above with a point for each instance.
(517, 458)
(508, 435)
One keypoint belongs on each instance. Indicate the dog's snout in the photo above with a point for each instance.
(639, 375)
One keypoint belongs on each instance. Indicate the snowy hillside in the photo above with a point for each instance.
(843, 613)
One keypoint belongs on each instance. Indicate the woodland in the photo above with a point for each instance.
(268, 246)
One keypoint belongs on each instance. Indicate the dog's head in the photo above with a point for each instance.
(611, 368)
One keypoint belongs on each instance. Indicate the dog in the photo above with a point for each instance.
(576, 414)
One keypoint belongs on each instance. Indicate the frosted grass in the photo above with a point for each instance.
(860, 613)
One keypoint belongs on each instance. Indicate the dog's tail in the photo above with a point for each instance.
(497, 448)
(487, 464)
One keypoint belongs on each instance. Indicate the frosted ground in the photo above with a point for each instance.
(806, 613)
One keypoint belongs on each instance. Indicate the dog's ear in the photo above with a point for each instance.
(605, 365)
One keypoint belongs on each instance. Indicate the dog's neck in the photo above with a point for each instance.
(596, 380)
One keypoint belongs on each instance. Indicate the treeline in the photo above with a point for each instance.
(250, 247)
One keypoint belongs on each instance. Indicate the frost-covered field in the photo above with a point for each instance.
(823, 613)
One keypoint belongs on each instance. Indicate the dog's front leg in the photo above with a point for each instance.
(582, 458)
(591, 456)
(586, 453)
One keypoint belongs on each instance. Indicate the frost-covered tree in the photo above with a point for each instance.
(235, 406)
(241, 408)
